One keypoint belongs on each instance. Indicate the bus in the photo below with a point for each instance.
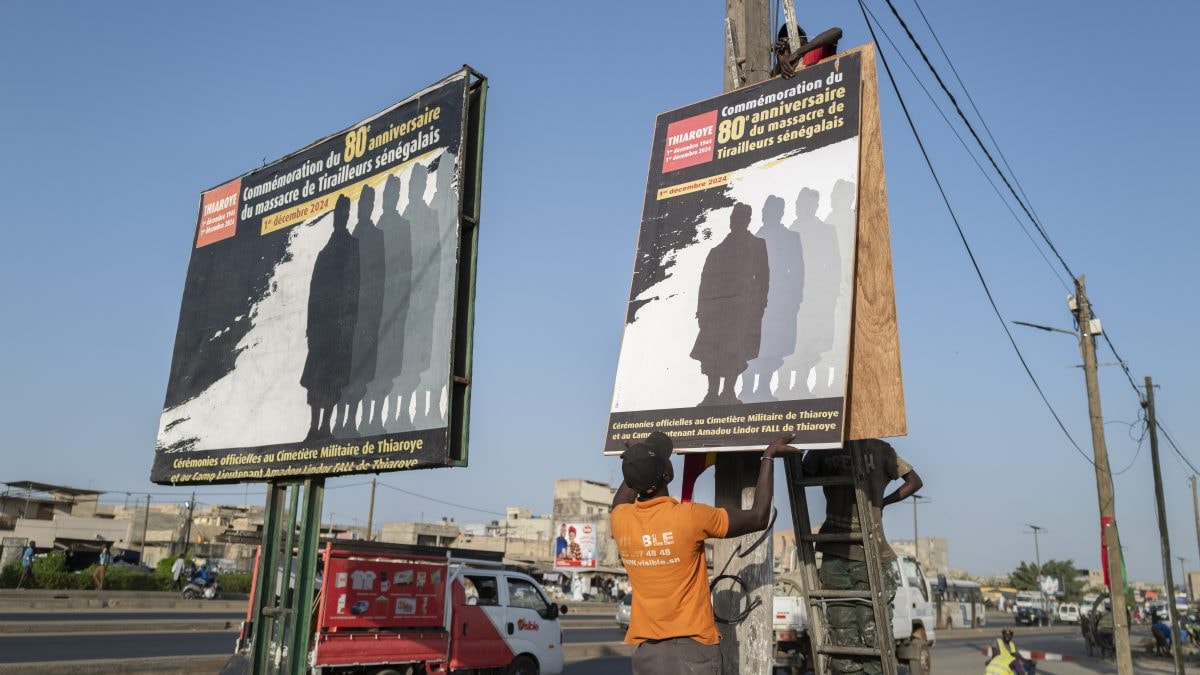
(962, 605)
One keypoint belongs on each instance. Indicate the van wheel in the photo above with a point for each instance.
(522, 665)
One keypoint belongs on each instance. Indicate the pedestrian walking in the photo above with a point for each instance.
(661, 542)
(177, 573)
(102, 567)
(26, 564)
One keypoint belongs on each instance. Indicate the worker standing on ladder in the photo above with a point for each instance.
(661, 543)
(844, 564)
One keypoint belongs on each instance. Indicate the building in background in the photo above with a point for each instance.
(577, 500)
(934, 554)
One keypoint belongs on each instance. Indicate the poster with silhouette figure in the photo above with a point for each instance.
(738, 324)
(326, 313)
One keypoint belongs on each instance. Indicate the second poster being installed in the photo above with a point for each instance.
(738, 326)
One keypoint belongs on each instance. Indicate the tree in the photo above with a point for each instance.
(1024, 578)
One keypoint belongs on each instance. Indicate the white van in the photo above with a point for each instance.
(1068, 612)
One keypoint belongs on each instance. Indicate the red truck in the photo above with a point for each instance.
(388, 609)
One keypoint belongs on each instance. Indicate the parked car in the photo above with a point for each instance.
(1032, 616)
(1068, 612)
(623, 610)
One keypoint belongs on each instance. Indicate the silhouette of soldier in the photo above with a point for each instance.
(822, 288)
(397, 286)
(844, 222)
(446, 206)
(785, 258)
(332, 314)
(732, 297)
(426, 257)
(366, 331)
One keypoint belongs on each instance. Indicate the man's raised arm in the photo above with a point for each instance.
(759, 515)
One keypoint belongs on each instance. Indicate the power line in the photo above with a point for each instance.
(1021, 198)
(970, 127)
(970, 153)
(963, 237)
(975, 108)
(441, 501)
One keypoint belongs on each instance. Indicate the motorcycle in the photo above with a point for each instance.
(198, 587)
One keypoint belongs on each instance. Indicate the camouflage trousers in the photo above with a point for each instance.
(852, 623)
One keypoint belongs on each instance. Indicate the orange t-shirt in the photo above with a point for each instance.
(662, 545)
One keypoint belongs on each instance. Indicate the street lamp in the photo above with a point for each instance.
(1037, 551)
(1182, 573)
(917, 499)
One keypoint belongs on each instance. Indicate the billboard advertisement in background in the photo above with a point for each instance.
(326, 313)
(575, 546)
(738, 323)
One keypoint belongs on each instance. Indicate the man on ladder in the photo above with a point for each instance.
(844, 563)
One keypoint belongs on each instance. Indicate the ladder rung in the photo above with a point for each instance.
(851, 537)
(817, 595)
(822, 481)
(848, 651)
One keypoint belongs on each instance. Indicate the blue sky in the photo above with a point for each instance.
(116, 117)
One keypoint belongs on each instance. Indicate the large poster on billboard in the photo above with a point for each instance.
(575, 547)
(738, 324)
(325, 321)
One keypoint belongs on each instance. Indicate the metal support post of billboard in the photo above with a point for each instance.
(306, 573)
(262, 614)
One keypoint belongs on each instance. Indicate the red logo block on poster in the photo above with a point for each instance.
(690, 141)
(218, 214)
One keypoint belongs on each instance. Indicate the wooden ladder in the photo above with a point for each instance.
(816, 598)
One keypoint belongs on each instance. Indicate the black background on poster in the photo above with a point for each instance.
(672, 223)
(226, 278)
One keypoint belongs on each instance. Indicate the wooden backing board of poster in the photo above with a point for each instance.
(875, 408)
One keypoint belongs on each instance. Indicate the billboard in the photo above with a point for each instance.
(738, 324)
(325, 326)
(575, 546)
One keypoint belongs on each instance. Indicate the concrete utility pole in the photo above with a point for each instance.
(1162, 519)
(917, 499)
(1037, 552)
(371, 514)
(187, 528)
(145, 526)
(747, 647)
(1196, 510)
(1104, 485)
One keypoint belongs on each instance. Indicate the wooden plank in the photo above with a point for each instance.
(876, 405)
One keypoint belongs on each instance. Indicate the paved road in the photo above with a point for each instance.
(120, 616)
(963, 654)
(87, 646)
(576, 635)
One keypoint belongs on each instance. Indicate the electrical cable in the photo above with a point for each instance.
(737, 580)
(986, 128)
(962, 236)
(440, 501)
(967, 149)
(1140, 441)
(970, 127)
(1021, 197)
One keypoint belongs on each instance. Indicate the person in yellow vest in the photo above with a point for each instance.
(1007, 659)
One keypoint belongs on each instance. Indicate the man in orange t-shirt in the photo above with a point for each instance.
(661, 543)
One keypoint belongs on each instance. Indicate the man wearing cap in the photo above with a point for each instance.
(661, 543)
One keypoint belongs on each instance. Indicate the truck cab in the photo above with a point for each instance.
(384, 608)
